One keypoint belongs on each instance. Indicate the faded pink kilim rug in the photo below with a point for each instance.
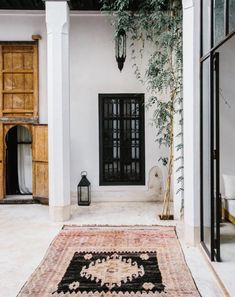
(113, 262)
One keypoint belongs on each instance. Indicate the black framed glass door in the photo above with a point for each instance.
(216, 205)
(206, 213)
(217, 28)
(210, 163)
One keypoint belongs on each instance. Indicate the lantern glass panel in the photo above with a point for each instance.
(120, 46)
(84, 194)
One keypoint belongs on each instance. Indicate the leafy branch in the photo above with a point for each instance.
(158, 24)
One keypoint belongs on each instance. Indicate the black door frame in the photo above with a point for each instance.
(216, 163)
(213, 56)
(214, 131)
(215, 156)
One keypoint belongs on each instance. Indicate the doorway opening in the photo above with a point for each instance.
(18, 162)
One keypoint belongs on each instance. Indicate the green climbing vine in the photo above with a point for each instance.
(156, 26)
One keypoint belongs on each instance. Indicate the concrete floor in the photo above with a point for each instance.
(26, 234)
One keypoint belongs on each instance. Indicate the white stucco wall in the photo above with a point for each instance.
(93, 70)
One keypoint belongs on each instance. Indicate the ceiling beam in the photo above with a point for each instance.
(40, 5)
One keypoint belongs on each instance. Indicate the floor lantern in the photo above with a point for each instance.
(84, 190)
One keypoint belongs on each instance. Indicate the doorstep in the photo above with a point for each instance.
(19, 200)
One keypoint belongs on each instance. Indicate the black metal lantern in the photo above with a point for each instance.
(84, 190)
(120, 48)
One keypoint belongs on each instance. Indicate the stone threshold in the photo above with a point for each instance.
(215, 274)
(19, 201)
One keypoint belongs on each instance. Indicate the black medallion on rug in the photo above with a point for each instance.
(112, 272)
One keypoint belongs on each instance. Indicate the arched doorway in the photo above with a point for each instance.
(18, 161)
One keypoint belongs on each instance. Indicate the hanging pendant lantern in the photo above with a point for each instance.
(120, 48)
(84, 190)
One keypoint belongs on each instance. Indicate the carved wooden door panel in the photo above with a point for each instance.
(1, 162)
(19, 81)
(40, 163)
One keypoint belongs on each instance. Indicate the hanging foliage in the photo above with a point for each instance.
(157, 23)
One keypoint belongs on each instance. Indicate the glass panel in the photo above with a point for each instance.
(206, 154)
(227, 135)
(206, 25)
(231, 15)
(218, 20)
(84, 194)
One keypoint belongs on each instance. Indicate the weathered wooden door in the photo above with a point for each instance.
(1, 162)
(18, 94)
(40, 163)
(19, 81)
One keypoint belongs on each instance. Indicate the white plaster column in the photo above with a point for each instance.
(191, 104)
(57, 21)
(177, 165)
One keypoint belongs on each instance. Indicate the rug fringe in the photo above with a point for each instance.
(115, 226)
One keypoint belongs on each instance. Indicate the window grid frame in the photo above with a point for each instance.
(121, 96)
